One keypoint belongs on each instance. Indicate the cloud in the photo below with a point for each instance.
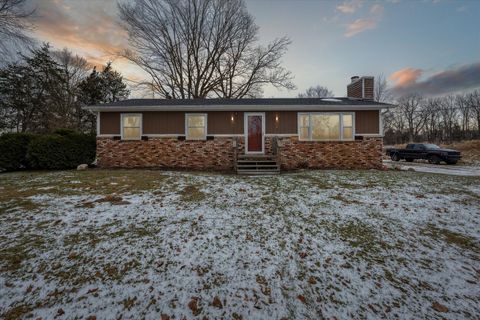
(99, 37)
(349, 7)
(405, 77)
(360, 25)
(376, 10)
(457, 79)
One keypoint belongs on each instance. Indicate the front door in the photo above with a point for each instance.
(254, 131)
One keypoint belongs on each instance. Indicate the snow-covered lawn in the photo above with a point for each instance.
(175, 245)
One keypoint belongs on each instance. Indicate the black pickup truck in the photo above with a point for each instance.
(431, 152)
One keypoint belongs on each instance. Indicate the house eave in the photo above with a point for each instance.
(236, 108)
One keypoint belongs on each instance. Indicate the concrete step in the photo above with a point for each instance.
(257, 161)
(256, 156)
(258, 172)
(273, 165)
(261, 164)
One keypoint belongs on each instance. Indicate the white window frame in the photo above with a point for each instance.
(340, 115)
(186, 125)
(141, 125)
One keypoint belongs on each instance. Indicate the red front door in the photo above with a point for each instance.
(255, 133)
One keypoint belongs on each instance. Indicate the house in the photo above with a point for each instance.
(249, 135)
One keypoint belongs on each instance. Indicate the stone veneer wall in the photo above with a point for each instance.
(218, 154)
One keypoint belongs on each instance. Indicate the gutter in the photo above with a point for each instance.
(234, 108)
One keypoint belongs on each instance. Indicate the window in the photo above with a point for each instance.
(316, 126)
(304, 126)
(196, 126)
(347, 125)
(131, 126)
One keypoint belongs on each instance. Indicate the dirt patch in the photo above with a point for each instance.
(113, 199)
(11, 258)
(17, 312)
(451, 237)
(192, 194)
(470, 151)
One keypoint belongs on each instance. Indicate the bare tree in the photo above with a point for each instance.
(465, 113)
(382, 92)
(474, 104)
(316, 92)
(449, 113)
(202, 48)
(74, 70)
(409, 107)
(431, 115)
(13, 26)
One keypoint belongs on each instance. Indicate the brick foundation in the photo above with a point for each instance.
(363, 154)
(218, 154)
(214, 154)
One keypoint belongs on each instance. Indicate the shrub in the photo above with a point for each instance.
(13, 151)
(64, 150)
(65, 132)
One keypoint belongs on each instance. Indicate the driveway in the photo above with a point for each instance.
(456, 170)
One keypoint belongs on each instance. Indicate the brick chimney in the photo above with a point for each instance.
(360, 88)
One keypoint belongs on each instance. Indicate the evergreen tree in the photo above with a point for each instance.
(113, 86)
(101, 87)
(30, 92)
(46, 90)
(91, 89)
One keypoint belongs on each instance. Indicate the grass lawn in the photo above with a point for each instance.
(174, 245)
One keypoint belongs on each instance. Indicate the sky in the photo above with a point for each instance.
(429, 46)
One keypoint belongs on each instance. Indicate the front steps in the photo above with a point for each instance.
(257, 165)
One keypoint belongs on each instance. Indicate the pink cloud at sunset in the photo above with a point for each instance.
(405, 76)
(375, 15)
(454, 79)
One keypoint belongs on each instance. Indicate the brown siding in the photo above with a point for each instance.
(220, 122)
(110, 123)
(367, 122)
(287, 122)
(164, 122)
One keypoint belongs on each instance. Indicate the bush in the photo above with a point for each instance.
(13, 151)
(63, 150)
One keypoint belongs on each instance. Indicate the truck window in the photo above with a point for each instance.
(419, 147)
(410, 146)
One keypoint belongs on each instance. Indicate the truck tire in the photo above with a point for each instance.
(409, 160)
(395, 157)
(434, 159)
(452, 162)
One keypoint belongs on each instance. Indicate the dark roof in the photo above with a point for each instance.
(243, 102)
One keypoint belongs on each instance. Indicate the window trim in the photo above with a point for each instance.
(186, 126)
(340, 115)
(141, 125)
